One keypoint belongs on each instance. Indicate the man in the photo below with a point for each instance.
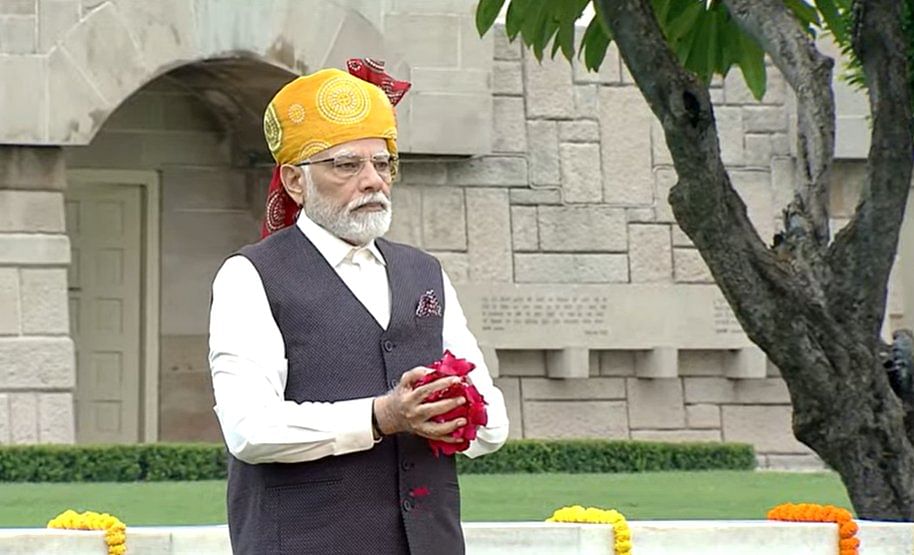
(318, 334)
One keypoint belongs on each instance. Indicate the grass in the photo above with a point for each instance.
(660, 495)
(647, 496)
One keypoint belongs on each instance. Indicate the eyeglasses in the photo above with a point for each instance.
(347, 166)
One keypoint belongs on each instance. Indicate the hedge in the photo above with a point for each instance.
(589, 456)
(204, 461)
(112, 463)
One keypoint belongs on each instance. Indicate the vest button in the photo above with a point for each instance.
(388, 345)
(407, 505)
(406, 465)
(394, 382)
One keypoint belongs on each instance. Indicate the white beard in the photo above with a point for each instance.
(342, 221)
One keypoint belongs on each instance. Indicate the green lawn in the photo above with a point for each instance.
(661, 495)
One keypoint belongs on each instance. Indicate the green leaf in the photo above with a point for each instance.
(514, 19)
(731, 42)
(835, 21)
(538, 27)
(690, 43)
(548, 29)
(712, 44)
(486, 14)
(752, 64)
(661, 11)
(569, 12)
(594, 45)
(564, 40)
(682, 26)
(601, 18)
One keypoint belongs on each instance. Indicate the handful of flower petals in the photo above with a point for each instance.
(473, 410)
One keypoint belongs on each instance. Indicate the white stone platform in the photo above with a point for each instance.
(705, 537)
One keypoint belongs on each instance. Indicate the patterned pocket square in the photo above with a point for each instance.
(428, 305)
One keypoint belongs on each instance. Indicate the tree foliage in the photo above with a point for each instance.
(702, 33)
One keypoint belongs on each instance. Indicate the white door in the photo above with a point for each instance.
(104, 222)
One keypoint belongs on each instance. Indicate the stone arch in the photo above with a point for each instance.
(122, 45)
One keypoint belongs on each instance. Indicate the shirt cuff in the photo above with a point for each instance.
(354, 430)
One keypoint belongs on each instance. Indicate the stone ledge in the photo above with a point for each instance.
(745, 537)
(34, 249)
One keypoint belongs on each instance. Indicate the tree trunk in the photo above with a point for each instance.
(815, 308)
(857, 425)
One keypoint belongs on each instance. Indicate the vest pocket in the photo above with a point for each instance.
(308, 515)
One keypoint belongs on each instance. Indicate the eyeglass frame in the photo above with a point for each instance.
(393, 159)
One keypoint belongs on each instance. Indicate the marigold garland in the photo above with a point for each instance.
(115, 530)
(622, 534)
(848, 544)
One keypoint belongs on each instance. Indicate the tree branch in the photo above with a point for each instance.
(808, 73)
(762, 290)
(862, 254)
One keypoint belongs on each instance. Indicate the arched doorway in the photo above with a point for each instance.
(172, 183)
(167, 99)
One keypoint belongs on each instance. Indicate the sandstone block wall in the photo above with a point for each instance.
(575, 193)
(37, 366)
(570, 192)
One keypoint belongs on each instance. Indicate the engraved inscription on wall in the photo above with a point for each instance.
(725, 322)
(584, 313)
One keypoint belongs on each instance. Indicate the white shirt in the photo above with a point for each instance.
(247, 361)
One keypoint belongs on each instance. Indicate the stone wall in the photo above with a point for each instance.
(209, 209)
(575, 190)
(575, 193)
(82, 59)
(569, 199)
(37, 376)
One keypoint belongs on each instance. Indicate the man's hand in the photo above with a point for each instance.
(404, 410)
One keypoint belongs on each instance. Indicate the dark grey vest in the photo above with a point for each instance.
(394, 498)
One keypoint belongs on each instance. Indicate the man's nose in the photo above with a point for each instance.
(370, 179)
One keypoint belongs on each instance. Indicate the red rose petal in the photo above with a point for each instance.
(474, 410)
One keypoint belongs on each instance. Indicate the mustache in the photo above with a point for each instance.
(372, 198)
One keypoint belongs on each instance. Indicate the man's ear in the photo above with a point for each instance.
(293, 181)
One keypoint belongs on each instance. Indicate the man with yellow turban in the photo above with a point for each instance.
(320, 337)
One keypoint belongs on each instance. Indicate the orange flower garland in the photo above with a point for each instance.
(848, 544)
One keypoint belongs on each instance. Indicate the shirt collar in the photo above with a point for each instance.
(331, 247)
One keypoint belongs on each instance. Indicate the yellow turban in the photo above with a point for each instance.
(327, 108)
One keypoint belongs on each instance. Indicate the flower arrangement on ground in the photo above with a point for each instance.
(115, 530)
(622, 534)
(848, 543)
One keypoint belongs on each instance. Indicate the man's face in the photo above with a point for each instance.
(348, 192)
